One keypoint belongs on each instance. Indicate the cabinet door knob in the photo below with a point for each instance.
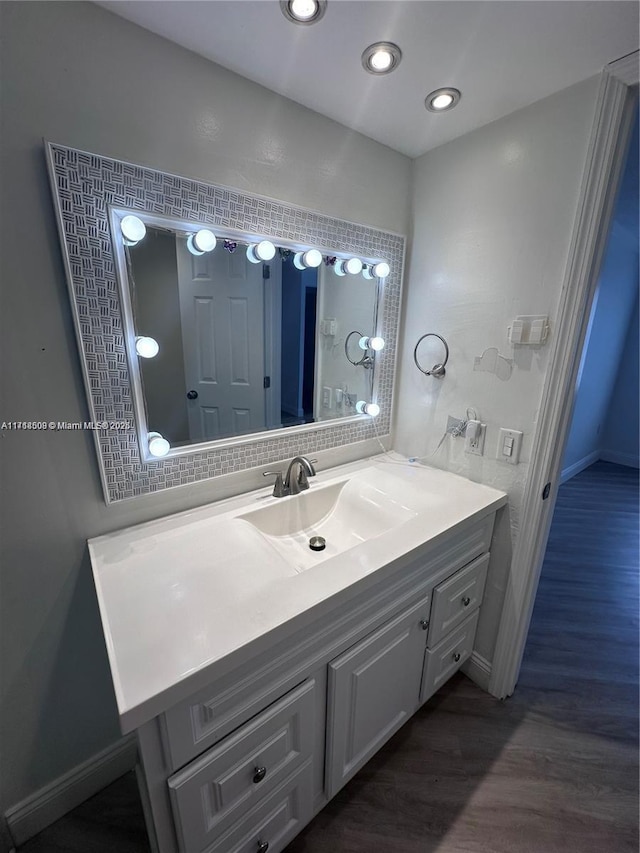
(456, 656)
(263, 846)
(424, 624)
(258, 776)
(466, 601)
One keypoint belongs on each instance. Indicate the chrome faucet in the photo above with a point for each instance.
(296, 479)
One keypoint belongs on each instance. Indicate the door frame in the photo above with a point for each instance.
(606, 154)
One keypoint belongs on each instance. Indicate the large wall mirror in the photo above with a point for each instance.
(218, 330)
(237, 338)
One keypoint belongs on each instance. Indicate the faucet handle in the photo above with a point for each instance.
(279, 490)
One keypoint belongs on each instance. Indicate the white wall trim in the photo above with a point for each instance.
(50, 803)
(608, 144)
(580, 465)
(631, 460)
(478, 669)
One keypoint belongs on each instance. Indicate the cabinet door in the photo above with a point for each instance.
(373, 688)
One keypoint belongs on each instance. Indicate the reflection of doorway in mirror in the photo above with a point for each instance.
(222, 314)
(299, 290)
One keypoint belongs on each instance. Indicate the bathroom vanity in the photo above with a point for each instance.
(259, 675)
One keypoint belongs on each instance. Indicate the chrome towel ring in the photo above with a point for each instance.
(438, 369)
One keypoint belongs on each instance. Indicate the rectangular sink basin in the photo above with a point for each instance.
(344, 514)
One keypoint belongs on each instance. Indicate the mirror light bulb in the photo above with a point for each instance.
(262, 251)
(146, 347)
(363, 408)
(339, 268)
(133, 229)
(158, 446)
(376, 344)
(204, 240)
(312, 258)
(353, 266)
(381, 270)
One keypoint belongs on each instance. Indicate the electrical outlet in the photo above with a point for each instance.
(474, 438)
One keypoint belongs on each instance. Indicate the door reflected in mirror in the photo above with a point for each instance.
(245, 345)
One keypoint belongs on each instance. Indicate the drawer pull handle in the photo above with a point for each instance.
(466, 601)
(424, 624)
(258, 776)
(263, 846)
(456, 656)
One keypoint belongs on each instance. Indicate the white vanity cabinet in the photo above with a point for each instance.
(244, 763)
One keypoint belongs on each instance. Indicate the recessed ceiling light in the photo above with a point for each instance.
(303, 11)
(381, 57)
(442, 99)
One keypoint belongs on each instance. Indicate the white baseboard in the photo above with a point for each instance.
(478, 669)
(580, 465)
(41, 809)
(631, 460)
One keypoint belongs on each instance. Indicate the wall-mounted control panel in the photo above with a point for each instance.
(509, 445)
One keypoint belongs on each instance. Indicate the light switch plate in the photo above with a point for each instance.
(509, 446)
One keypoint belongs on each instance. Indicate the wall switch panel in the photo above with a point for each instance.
(339, 394)
(509, 445)
(327, 395)
(474, 438)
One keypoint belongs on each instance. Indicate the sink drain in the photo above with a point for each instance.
(317, 543)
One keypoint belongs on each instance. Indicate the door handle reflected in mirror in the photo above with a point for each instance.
(192, 395)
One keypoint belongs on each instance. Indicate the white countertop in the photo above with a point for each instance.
(183, 593)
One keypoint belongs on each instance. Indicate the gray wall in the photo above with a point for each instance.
(75, 74)
(494, 213)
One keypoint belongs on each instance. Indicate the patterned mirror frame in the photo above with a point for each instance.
(85, 186)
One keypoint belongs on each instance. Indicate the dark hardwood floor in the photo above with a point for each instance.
(554, 769)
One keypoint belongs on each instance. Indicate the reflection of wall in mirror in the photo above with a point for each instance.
(157, 313)
(351, 300)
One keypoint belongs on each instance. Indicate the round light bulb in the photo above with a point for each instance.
(158, 446)
(204, 240)
(339, 268)
(303, 10)
(441, 102)
(133, 229)
(265, 250)
(146, 347)
(367, 272)
(381, 60)
(376, 344)
(364, 408)
(381, 270)
(312, 258)
(191, 246)
(353, 266)
(298, 261)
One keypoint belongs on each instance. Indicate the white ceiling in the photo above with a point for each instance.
(502, 55)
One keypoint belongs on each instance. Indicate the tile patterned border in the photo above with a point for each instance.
(84, 185)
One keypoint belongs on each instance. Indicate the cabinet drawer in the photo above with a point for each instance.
(274, 821)
(448, 656)
(211, 792)
(456, 598)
